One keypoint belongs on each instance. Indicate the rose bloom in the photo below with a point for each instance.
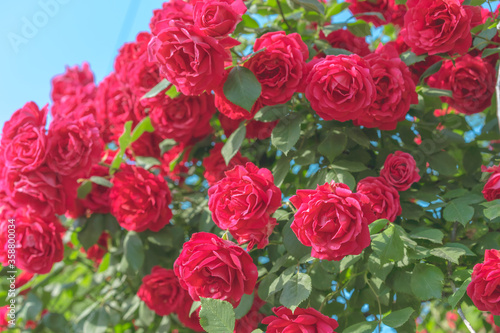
(139, 199)
(188, 59)
(243, 202)
(340, 87)
(74, 146)
(491, 190)
(191, 321)
(400, 170)
(471, 81)
(254, 129)
(301, 320)
(161, 291)
(383, 197)
(437, 26)
(29, 116)
(491, 320)
(483, 289)
(332, 220)
(392, 13)
(215, 166)
(186, 119)
(4, 321)
(395, 90)
(344, 39)
(280, 66)
(211, 267)
(177, 10)
(38, 242)
(218, 18)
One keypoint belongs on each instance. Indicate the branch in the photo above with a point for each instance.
(283, 15)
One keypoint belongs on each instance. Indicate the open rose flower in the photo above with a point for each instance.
(218, 18)
(243, 202)
(332, 220)
(215, 166)
(139, 199)
(300, 320)
(391, 12)
(340, 87)
(211, 267)
(400, 170)
(437, 26)
(161, 291)
(483, 289)
(177, 10)
(383, 197)
(27, 117)
(491, 190)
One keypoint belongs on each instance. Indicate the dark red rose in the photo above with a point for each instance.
(243, 202)
(491, 190)
(38, 243)
(332, 220)
(97, 251)
(177, 10)
(211, 267)
(400, 170)
(74, 146)
(471, 81)
(300, 320)
(252, 319)
(395, 90)
(186, 119)
(190, 60)
(340, 87)
(437, 26)
(254, 129)
(280, 67)
(139, 199)
(391, 12)
(491, 320)
(218, 18)
(191, 321)
(383, 197)
(161, 291)
(215, 166)
(484, 289)
(148, 144)
(344, 39)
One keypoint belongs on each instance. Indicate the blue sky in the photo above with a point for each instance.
(68, 33)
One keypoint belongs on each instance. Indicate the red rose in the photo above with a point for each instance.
(383, 197)
(300, 320)
(491, 190)
(344, 39)
(400, 170)
(186, 119)
(254, 129)
(340, 87)
(23, 278)
(491, 320)
(97, 251)
(392, 13)
(218, 18)
(215, 166)
(148, 144)
(188, 59)
(24, 119)
(161, 291)
(252, 319)
(191, 321)
(395, 90)
(280, 67)
(4, 321)
(483, 289)
(177, 10)
(180, 171)
(139, 199)
(332, 220)
(74, 146)
(243, 203)
(211, 267)
(471, 81)
(437, 26)
(38, 243)
(97, 200)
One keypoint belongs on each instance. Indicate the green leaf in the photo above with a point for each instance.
(134, 250)
(410, 58)
(55, 322)
(271, 113)
(335, 51)
(146, 315)
(146, 162)
(492, 210)
(488, 52)
(341, 176)
(480, 42)
(468, 252)
(242, 87)
(365, 327)
(286, 134)
(398, 318)
(97, 322)
(84, 189)
(377, 225)
(244, 306)
(350, 166)
(448, 253)
(91, 231)
(257, 330)
(296, 290)
(359, 28)
(278, 284)
(430, 234)
(427, 282)
(357, 135)
(172, 92)
(123, 141)
(457, 211)
(435, 92)
(166, 145)
(311, 5)
(264, 286)
(457, 296)
(194, 307)
(388, 245)
(233, 143)
(443, 163)
(377, 14)
(496, 320)
(281, 169)
(143, 126)
(348, 261)
(333, 145)
(101, 181)
(216, 316)
(431, 70)
(157, 89)
(292, 244)
(336, 8)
